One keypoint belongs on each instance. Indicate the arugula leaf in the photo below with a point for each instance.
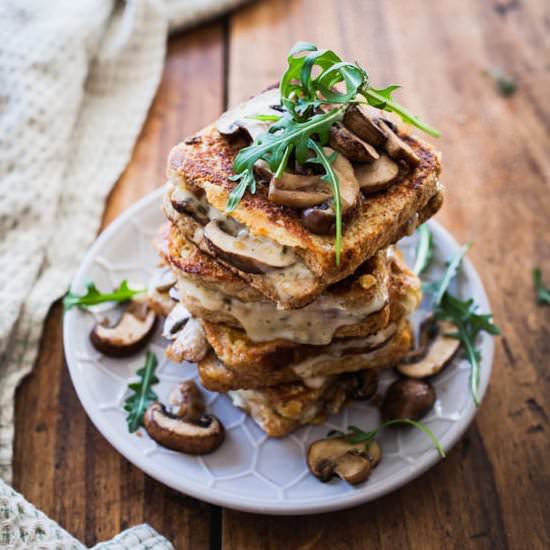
(273, 145)
(143, 396)
(93, 296)
(542, 293)
(332, 178)
(450, 273)
(424, 249)
(357, 435)
(469, 324)
(310, 81)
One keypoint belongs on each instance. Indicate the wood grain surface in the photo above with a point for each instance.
(492, 490)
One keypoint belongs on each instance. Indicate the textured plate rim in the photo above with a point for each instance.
(221, 498)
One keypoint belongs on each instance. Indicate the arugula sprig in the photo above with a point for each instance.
(143, 395)
(357, 435)
(463, 314)
(93, 296)
(310, 81)
(542, 292)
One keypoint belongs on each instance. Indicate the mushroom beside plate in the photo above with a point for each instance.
(245, 472)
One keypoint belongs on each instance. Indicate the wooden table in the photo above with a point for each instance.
(492, 490)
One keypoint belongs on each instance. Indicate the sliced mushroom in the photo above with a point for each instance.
(298, 191)
(378, 175)
(321, 219)
(158, 296)
(187, 402)
(361, 385)
(190, 344)
(350, 145)
(352, 462)
(196, 438)
(434, 352)
(240, 119)
(129, 334)
(244, 251)
(408, 398)
(163, 279)
(363, 122)
(175, 322)
(396, 148)
(186, 202)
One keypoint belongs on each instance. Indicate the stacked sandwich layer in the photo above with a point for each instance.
(264, 309)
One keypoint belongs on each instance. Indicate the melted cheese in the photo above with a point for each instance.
(313, 324)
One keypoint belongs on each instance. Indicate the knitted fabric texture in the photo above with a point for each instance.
(76, 81)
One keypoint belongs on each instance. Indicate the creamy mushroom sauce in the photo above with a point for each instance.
(307, 370)
(313, 324)
(286, 280)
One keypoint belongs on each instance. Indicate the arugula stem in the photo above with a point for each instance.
(423, 249)
(337, 200)
(284, 161)
(401, 111)
(474, 363)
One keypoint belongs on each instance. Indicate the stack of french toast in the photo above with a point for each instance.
(257, 297)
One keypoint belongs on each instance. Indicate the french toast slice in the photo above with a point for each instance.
(356, 306)
(281, 409)
(381, 350)
(201, 166)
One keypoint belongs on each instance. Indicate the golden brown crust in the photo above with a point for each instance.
(216, 376)
(380, 219)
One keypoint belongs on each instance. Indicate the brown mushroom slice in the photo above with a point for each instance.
(245, 251)
(396, 148)
(319, 220)
(296, 199)
(185, 202)
(190, 344)
(361, 385)
(196, 438)
(439, 351)
(378, 175)
(240, 119)
(361, 120)
(187, 402)
(350, 145)
(129, 334)
(408, 398)
(175, 322)
(352, 462)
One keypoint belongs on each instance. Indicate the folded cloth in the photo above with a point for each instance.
(23, 526)
(76, 81)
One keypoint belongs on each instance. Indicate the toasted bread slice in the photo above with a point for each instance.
(203, 166)
(281, 409)
(356, 306)
(347, 355)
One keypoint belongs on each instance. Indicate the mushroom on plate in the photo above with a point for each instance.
(408, 398)
(239, 248)
(129, 334)
(352, 462)
(196, 437)
(186, 401)
(435, 350)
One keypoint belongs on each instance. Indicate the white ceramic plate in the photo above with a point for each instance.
(250, 471)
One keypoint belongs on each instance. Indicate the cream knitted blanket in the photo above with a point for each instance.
(76, 81)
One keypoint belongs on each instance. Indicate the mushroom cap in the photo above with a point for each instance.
(408, 398)
(350, 145)
(353, 462)
(129, 335)
(362, 121)
(196, 438)
(434, 355)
